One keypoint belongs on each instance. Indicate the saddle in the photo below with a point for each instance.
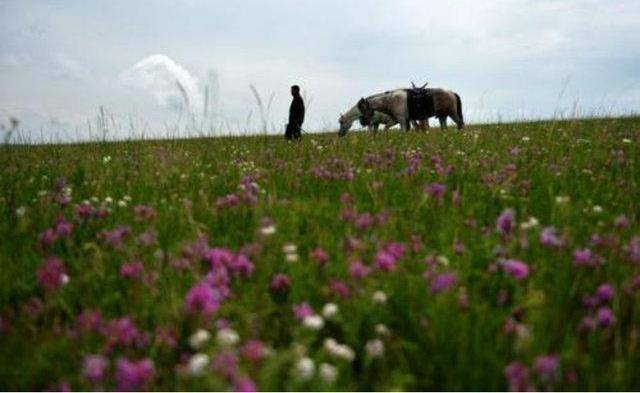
(420, 103)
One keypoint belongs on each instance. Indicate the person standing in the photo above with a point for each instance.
(296, 115)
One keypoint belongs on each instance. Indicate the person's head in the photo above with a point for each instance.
(295, 90)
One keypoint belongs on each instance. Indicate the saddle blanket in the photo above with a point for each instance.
(420, 103)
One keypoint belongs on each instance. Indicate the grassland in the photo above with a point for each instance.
(502, 257)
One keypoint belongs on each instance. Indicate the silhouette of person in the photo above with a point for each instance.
(296, 115)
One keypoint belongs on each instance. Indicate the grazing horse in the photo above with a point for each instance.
(347, 119)
(400, 103)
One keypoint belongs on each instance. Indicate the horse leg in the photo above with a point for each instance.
(375, 128)
(457, 120)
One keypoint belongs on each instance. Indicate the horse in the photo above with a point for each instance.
(347, 119)
(396, 103)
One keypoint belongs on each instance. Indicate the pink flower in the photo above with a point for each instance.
(218, 257)
(132, 375)
(144, 212)
(226, 364)
(253, 351)
(582, 257)
(506, 221)
(546, 366)
(302, 310)
(241, 265)
(358, 270)
(364, 221)
(63, 227)
(132, 270)
(435, 190)
(517, 375)
(338, 288)
(94, 367)
(280, 283)
(633, 249)
(124, 331)
(319, 255)
(384, 261)
(549, 238)
(244, 384)
(605, 317)
(443, 282)
(51, 274)
(47, 237)
(516, 269)
(116, 236)
(202, 299)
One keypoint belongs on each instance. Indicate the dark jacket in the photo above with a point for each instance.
(296, 111)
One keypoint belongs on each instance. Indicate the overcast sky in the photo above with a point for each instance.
(61, 60)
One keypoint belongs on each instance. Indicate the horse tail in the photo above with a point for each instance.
(459, 105)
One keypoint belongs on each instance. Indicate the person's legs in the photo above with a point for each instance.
(288, 133)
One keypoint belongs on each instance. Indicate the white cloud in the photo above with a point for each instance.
(167, 81)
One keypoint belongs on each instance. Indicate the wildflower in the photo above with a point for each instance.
(52, 274)
(546, 366)
(517, 375)
(328, 373)
(382, 329)
(597, 209)
(443, 282)
(506, 222)
(202, 299)
(374, 348)
(525, 139)
(47, 237)
(319, 255)
(199, 338)
(337, 350)
(244, 384)
(313, 322)
(379, 297)
(622, 221)
(532, 222)
(197, 363)
(605, 317)
(605, 293)
(291, 257)
(549, 238)
(633, 249)
(280, 283)
(435, 190)
(133, 375)
(384, 261)
(358, 270)
(227, 337)
(94, 368)
(63, 227)
(587, 324)
(144, 212)
(582, 257)
(302, 310)
(289, 248)
(338, 288)
(330, 310)
(20, 211)
(516, 269)
(268, 230)
(562, 199)
(226, 364)
(123, 331)
(626, 140)
(106, 159)
(253, 350)
(132, 270)
(305, 368)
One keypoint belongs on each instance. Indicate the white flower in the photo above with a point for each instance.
(199, 338)
(562, 199)
(382, 329)
(532, 222)
(525, 139)
(379, 297)
(443, 260)
(330, 310)
(289, 248)
(122, 203)
(626, 140)
(328, 373)
(126, 198)
(108, 199)
(64, 279)
(20, 211)
(374, 348)
(313, 322)
(197, 363)
(268, 230)
(291, 257)
(337, 350)
(305, 368)
(227, 337)
(597, 209)
(106, 159)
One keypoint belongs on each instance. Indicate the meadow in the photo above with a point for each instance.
(504, 257)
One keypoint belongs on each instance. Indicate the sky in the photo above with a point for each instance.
(178, 68)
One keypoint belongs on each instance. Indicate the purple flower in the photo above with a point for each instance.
(546, 366)
(132, 375)
(582, 257)
(505, 222)
(549, 238)
(516, 269)
(123, 331)
(240, 264)
(634, 249)
(116, 236)
(396, 249)
(443, 282)
(605, 317)
(144, 212)
(51, 274)
(302, 310)
(226, 364)
(132, 270)
(244, 384)
(622, 221)
(384, 261)
(47, 237)
(202, 299)
(63, 227)
(605, 292)
(364, 221)
(94, 367)
(358, 270)
(319, 255)
(218, 257)
(517, 375)
(587, 324)
(338, 288)
(435, 190)
(280, 283)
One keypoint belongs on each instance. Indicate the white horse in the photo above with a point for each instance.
(353, 114)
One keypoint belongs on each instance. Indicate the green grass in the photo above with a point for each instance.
(433, 342)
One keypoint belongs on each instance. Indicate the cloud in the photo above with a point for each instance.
(168, 82)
